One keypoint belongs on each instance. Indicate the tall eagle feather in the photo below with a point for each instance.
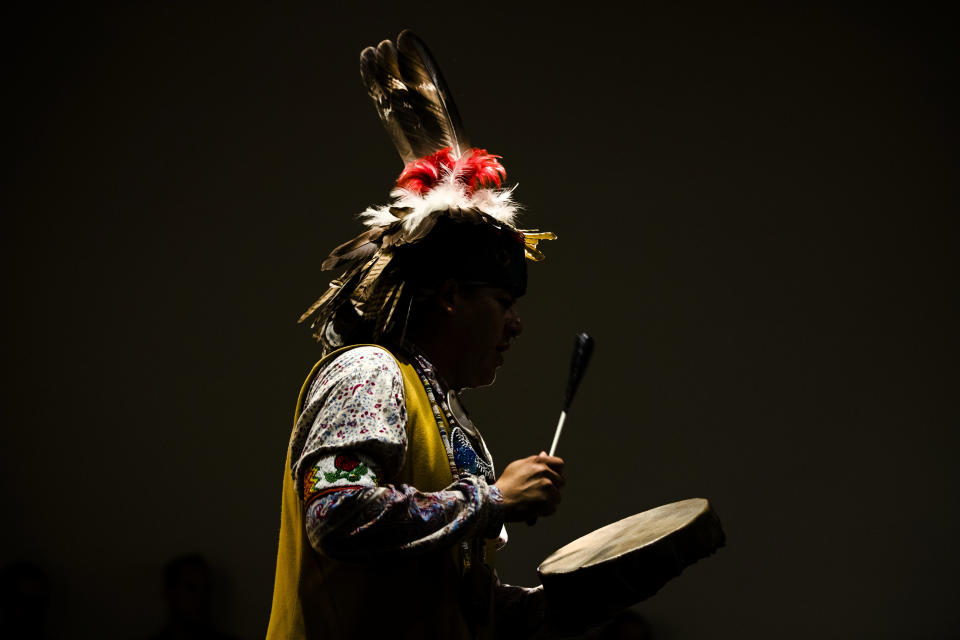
(411, 98)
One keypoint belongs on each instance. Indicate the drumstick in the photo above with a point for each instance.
(582, 350)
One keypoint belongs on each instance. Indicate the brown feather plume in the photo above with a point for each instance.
(361, 247)
(411, 98)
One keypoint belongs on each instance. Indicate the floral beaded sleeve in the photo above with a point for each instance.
(350, 439)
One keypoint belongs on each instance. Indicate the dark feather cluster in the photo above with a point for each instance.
(371, 287)
(411, 98)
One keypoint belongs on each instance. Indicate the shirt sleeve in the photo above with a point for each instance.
(353, 427)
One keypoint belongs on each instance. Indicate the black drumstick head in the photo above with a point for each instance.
(582, 350)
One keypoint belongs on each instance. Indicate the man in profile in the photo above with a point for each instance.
(392, 512)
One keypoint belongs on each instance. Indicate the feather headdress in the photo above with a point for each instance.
(444, 178)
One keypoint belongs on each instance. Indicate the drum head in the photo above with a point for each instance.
(628, 561)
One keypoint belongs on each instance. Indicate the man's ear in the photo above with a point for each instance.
(447, 295)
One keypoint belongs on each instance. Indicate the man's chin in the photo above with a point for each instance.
(484, 381)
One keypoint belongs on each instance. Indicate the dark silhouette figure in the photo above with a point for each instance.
(25, 592)
(187, 589)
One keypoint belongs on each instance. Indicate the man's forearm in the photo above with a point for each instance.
(360, 522)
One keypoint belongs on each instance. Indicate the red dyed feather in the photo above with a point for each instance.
(481, 169)
(477, 170)
(422, 175)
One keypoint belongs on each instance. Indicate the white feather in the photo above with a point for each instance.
(378, 216)
(498, 204)
(449, 193)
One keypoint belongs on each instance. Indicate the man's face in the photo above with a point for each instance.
(485, 323)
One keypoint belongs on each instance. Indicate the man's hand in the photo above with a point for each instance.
(531, 486)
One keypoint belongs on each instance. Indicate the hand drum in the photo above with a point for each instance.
(623, 563)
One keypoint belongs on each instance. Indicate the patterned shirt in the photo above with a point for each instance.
(349, 441)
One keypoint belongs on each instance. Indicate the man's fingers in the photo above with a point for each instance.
(553, 462)
(553, 477)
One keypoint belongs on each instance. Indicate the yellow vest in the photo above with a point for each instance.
(315, 596)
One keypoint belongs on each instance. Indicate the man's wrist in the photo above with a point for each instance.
(496, 512)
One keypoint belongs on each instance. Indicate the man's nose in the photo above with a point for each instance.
(514, 326)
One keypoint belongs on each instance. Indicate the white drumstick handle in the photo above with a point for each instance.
(556, 435)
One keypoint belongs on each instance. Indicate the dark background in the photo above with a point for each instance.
(754, 206)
